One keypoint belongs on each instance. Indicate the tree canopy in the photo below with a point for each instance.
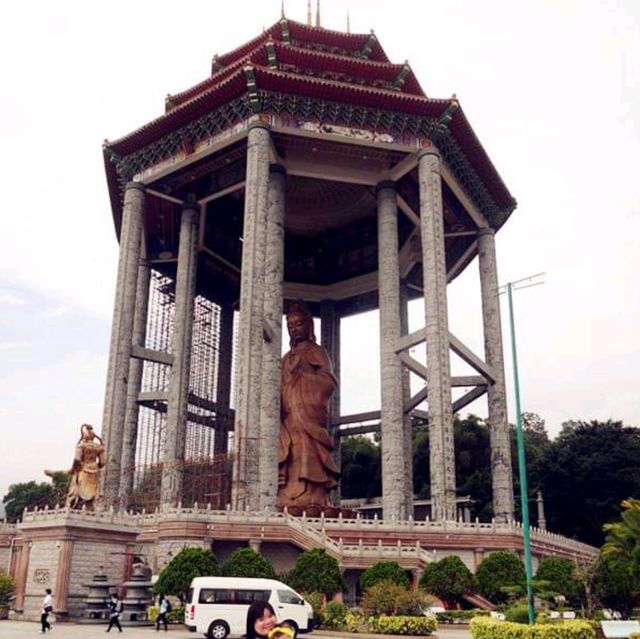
(560, 575)
(361, 469)
(497, 571)
(315, 571)
(31, 494)
(448, 579)
(388, 571)
(189, 563)
(246, 562)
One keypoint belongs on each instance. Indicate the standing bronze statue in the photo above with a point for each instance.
(89, 458)
(306, 469)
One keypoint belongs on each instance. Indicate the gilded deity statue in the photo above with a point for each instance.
(89, 458)
(306, 469)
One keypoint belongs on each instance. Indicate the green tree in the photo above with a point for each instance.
(7, 589)
(246, 562)
(27, 495)
(315, 571)
(497, 571)
(389, 571)
(361, 469)
(448, 579)
(189, 563)
(613, 583)
(589, 469)
(623, 537)
(560, 573)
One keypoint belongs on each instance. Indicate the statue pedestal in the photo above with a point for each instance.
(330, 512)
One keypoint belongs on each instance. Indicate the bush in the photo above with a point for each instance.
(460, 616)
(176, 615)
(316, 601)
(246, 562)
(498, 570)
(448, 579)
(176, 578)
(518, 613)
(382, 598)
(560, 574)
(414, 602)
(484, 628)
(384, 571)
(335, 615)
(7, 589)
(315, 571)
(403, 625)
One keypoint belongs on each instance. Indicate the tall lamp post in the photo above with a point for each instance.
(525, 282)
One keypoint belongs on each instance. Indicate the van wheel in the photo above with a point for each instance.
(218, 630)
(293, 625)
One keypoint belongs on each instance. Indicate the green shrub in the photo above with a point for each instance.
(518, 613)
(485, 628)
(384, 571)
(335, 615)
(560, 574)
(403, 625)
(316, 600)
(382, 599)
(315, 571)
(496, 571)
(176, 615)
(414, 602)
(460, 616)
(7, 589)
(448, 579)
(246, 562)
(176, 577)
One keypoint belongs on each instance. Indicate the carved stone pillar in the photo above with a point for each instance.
(406, 395)
(130, 434)
(121, 336)
(176, 428)
(245, 489)
(392, 426)
(223, 383)
(272, 347)
(61, 591)
(441, 454)
(501, 474)
(21, 576)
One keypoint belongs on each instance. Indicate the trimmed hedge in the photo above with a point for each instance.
(483, 628)
(460, 616)
(402, 625)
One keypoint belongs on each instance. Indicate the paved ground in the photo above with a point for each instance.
(23, 629)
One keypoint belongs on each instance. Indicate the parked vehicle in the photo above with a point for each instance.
(217, 606)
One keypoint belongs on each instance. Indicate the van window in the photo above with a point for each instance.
(289, 597)
(232, 596)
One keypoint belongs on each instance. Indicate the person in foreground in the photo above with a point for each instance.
(262, 623)
(163, 604)
(115, 608)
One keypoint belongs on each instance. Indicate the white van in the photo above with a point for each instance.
(218, 606)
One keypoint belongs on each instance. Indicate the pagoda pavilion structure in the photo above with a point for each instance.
(307, 166)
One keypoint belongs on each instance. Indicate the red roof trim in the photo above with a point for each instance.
(274, 32)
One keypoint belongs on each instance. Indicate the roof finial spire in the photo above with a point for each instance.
(348, 23)
(282, 9)
(318, 13)
(309, 23)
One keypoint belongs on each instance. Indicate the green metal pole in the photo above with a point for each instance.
(522, 468)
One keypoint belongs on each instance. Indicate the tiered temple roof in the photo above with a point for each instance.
(315, 74)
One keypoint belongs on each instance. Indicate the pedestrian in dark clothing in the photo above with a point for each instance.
(164, 605)
(47, 607)
(115, 608)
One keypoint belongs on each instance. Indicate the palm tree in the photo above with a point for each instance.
(623, 538)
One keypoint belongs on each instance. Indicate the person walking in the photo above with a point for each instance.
(115, 608)
(163, 603)
(47, 607)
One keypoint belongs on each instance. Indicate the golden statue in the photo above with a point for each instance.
(89, 458)
(306, 469)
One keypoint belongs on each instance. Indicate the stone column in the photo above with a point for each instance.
(121, 335)
(330, 339)
(272, 347)
(245, 489)
(478, 557)
(223, 382)
(406, 395)
(392, 426)
(21, 576)
(176, 428)
(130, 434)
(542, 522)
(502, 481)
(61, 591)
(441, 454)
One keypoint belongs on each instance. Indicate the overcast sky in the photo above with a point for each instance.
(552, 88)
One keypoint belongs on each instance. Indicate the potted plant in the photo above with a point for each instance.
(7, 593)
